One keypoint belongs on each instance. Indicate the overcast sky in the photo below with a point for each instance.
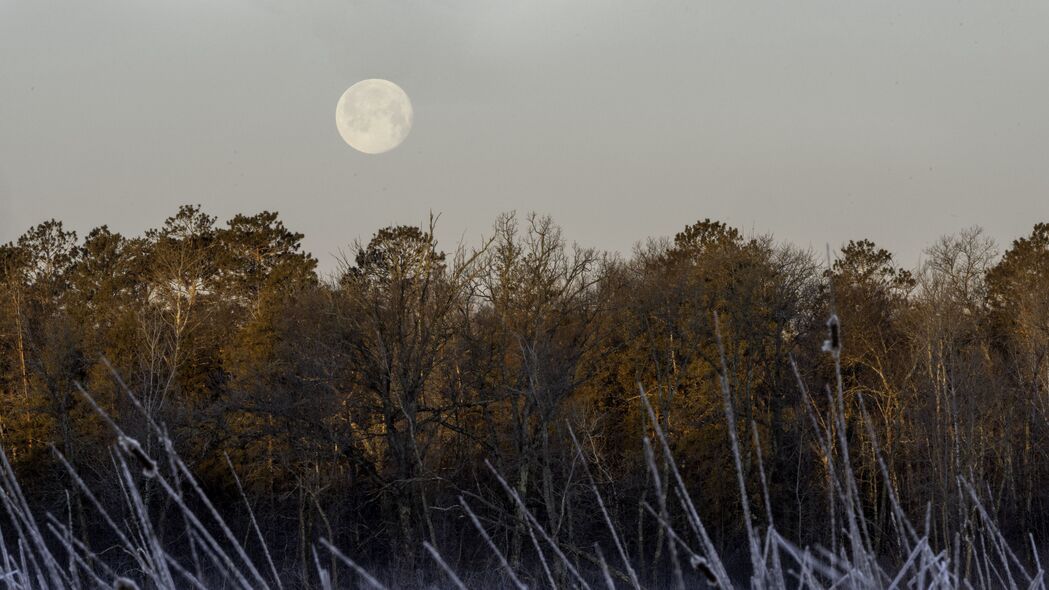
(815, 120)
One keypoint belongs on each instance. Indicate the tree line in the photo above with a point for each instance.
(360, 406)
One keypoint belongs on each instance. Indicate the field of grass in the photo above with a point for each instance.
(44, 551)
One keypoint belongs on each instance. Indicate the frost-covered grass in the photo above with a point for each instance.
(42, 550)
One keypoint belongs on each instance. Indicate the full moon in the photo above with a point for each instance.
(374, 116)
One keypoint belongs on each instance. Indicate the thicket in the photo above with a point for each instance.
(525, 405)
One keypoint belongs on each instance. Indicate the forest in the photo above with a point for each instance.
(524, 411)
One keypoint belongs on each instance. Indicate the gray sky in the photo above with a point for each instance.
(816, 120)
